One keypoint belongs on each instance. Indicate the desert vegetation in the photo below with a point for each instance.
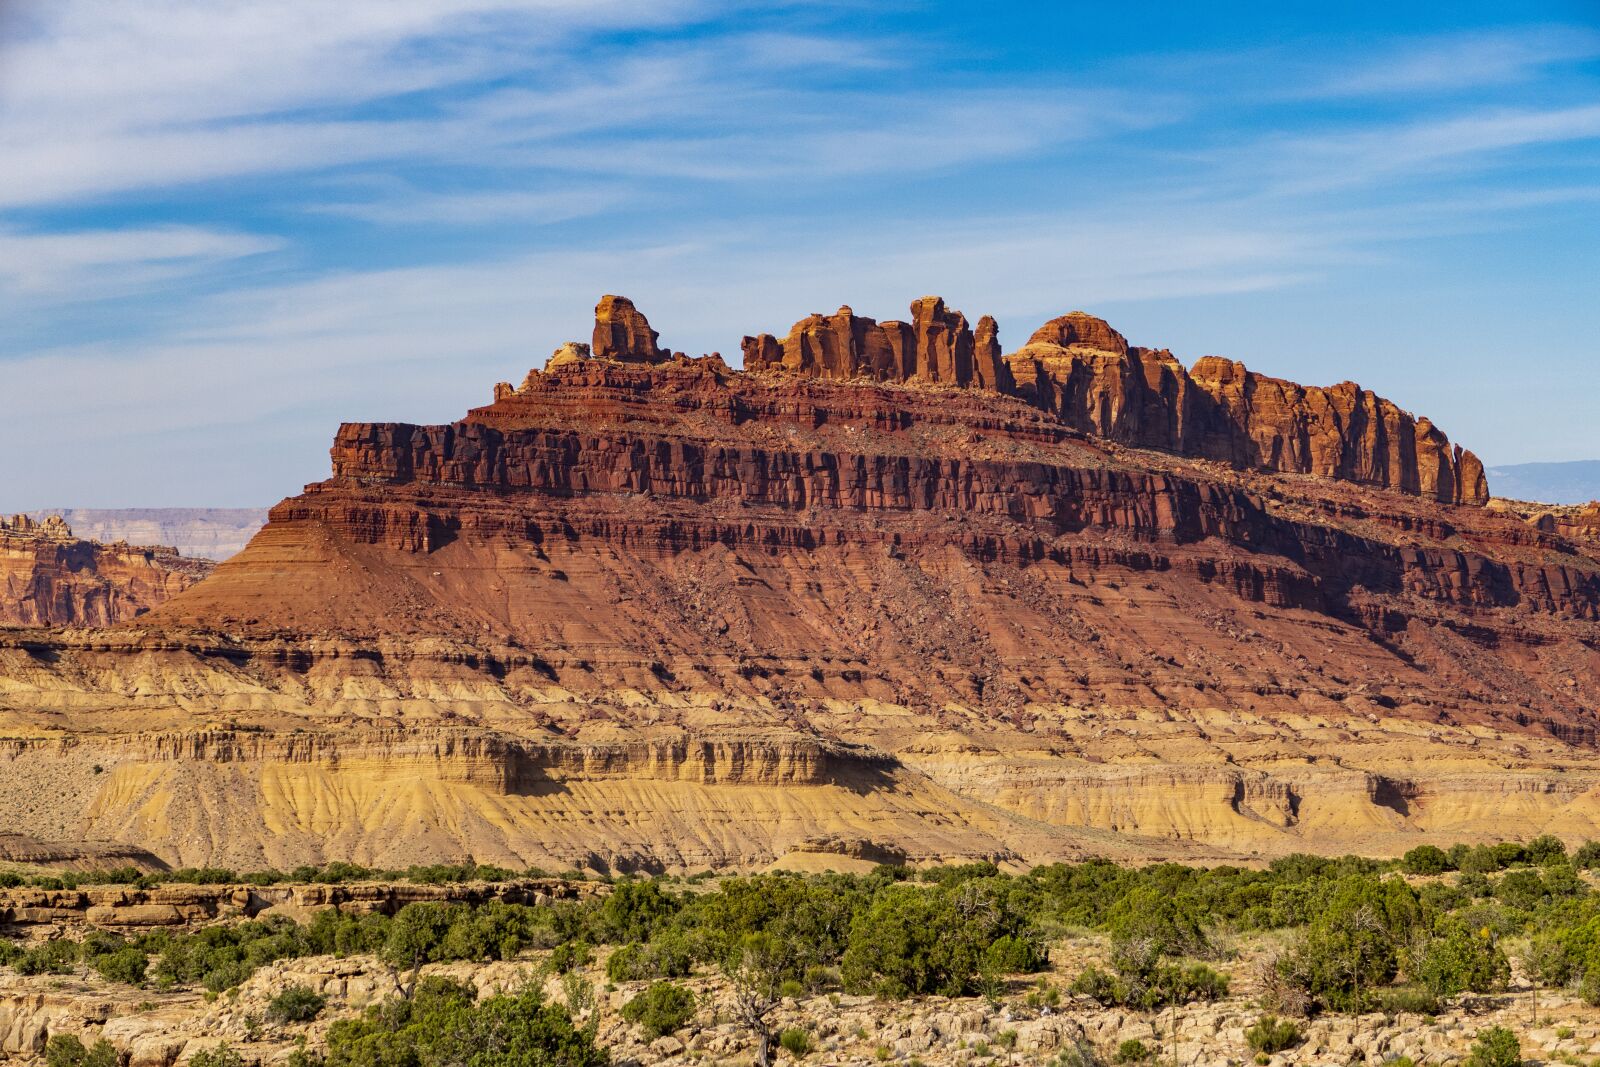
(1308, 936)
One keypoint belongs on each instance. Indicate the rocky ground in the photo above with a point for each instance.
(1018, 1026)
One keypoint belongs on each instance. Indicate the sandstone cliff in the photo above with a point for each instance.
(644, 611)
(935, 347)
(1080, 368)
(48, 577)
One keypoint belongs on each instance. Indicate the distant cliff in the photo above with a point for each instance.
(1576, 482)
(51, 577)
(206, 533)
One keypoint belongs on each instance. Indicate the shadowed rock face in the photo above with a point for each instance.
(658, 613)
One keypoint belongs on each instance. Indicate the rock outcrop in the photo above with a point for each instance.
(48, 577)
(651, 613)
(622, 333)
(1085, 372)
(937, 347)
(1341, 432)
(1079, 369)
(45, 913)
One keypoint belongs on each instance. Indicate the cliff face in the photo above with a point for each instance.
(935, 347)
(647, 611)
(204, 533)
(48, 577)
(1085, 372)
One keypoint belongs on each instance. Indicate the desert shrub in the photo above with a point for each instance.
(493, 931)
(126, 964)
(201, 876)
(65, 1050)
(925, 939)
(569, 956)
(443, 1023)
(1495, 1047)
(333, 932)
(953, 874)
(1454, 958)
(1562, 882)
(669, 955)
(1350, 949)
(1520, 889)
(627, 964)
(220, 957)
(1426, 859)
(51, 957)
(1481, 859)
(1439, 897)
(811, 915)
(297, 1004)
(220, 1056)
(1150, 985)
(1545, 850)
(1134, 1051)
(1010, 954)
(440, 873)
(661, 1009)
(1270, 1034)
(1510, 853)
(1406, 1000)
(1151, 916)
(795, 1041)
(1099, 985)
(1588, 855)
(631, 912)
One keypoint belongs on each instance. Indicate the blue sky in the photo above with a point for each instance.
(227, 226)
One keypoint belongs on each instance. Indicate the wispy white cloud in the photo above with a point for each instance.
(478, 208)
(1380, 152)
(1458, 61)
(98, 96)
(533, 114)
(96, 264)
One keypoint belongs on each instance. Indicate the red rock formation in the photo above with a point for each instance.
(48, 577)
(622, 333)
(1082, 370)
(791, 603)
(1341, 432)
(1077, 329)
(659, 455)
(936, 347)
(989, 367)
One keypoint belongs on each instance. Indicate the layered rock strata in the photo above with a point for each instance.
(647, 612)
(1085, 372)
(48, 577)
